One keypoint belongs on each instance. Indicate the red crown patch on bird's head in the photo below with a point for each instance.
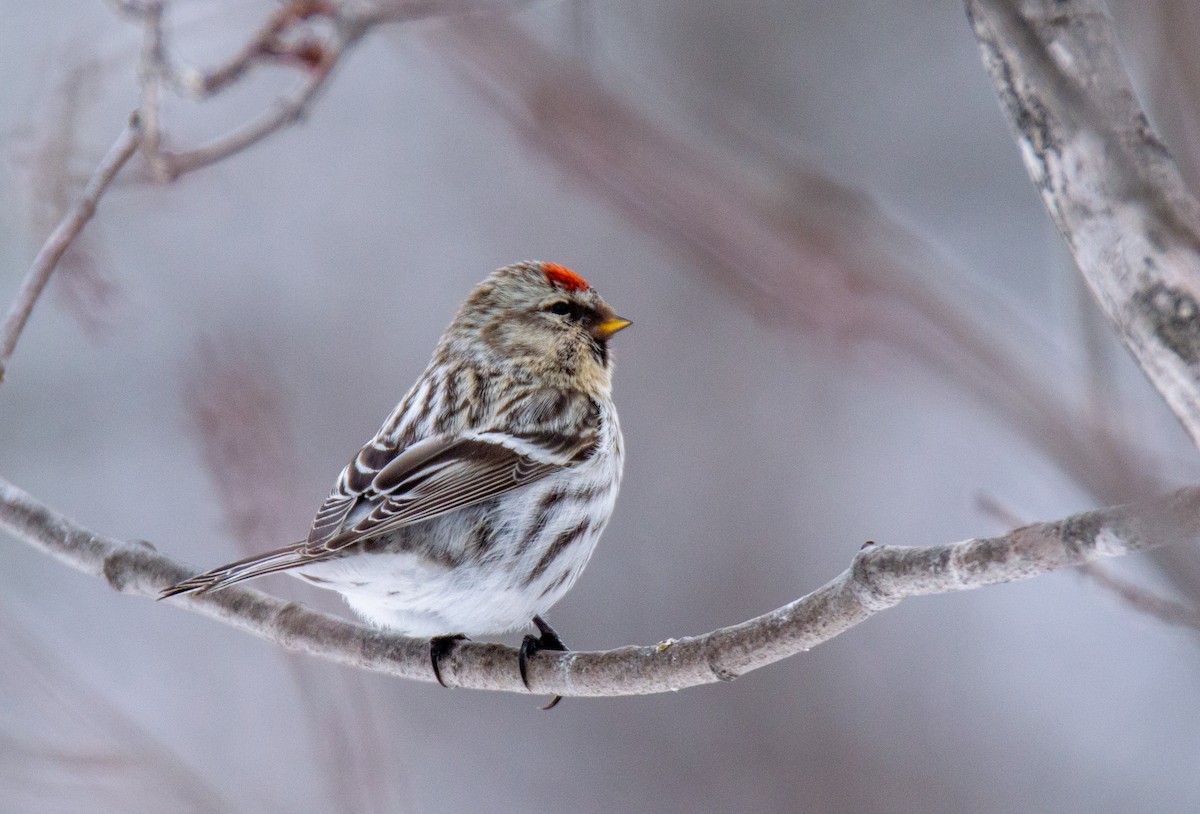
(564, 278)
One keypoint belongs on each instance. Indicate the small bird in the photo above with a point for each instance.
(478, 503)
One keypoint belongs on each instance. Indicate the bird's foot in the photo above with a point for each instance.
(549, 640)
(439, 646)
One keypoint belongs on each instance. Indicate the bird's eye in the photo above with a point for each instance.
(560, 308)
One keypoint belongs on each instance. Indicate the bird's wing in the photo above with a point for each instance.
(387, 487)
(384, 489)
(427, 479)
(442, 474)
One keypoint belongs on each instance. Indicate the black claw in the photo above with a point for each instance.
(439, 646)
(549, 640)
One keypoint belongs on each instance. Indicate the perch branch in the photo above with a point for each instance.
(1165, 610)
(878, 578)
(1110, 185)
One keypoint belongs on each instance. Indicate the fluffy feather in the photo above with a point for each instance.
(479, 501)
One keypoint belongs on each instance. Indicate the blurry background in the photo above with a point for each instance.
(853, 320)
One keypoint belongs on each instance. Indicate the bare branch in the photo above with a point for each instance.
(1111, 187)
(287, 112)
(1140, 599)
(278, 41)
(878, 578)
(63, 235)
(153, 70)
(144, 130)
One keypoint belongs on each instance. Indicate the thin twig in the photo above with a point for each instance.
(153, 71)
(317, 56)
(287, 112)
(374, 12)
(61, 238)
(879, 577)
(268, 42)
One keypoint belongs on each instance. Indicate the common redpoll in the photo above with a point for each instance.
(477, 504)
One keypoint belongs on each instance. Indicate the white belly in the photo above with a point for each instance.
(435, 578)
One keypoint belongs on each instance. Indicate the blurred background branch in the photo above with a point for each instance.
(63, 237)
(82, 734)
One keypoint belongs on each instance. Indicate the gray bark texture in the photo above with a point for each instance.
(878, 578)
(1109, 183)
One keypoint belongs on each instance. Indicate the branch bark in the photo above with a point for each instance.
(1109, 183)
(878, 578)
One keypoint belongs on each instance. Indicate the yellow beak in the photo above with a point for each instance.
(605, 329)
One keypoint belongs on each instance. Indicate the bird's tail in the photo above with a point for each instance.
(281, 559)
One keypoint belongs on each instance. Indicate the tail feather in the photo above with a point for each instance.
(281, 559)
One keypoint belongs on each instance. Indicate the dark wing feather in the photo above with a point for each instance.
(425, 482)
(352, 483)
(384, 489)
(258, 565)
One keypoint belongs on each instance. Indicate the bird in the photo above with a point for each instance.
(477, 504)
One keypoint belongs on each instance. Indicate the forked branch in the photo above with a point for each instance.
(349, 22)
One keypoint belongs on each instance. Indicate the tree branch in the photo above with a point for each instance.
(1110, 185)
(878, 578)
(287, 112)
(277, 41)
(61, 238)
(350, 20)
